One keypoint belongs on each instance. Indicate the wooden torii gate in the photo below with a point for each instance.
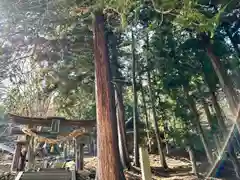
(53, 126)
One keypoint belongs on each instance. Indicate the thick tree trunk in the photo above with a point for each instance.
(146, 116)
(197, 124)
(135, 104)
(122, 141)
(107, 151)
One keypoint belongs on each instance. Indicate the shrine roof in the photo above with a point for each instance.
(24, 120)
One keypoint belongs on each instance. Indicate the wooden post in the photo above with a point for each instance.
(68, 148)
(77, 152)
(74, 146)
(30, 149)
(94, 141)
(22, 162)
(16, 157)
(65, 151)
(145, 164)
(91, 145)
(81, 154)
(30, 153)
(45, 163)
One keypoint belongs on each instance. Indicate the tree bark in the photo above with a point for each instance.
(122, 141)
(146, 117)
(197, 124)
(135, 103)
(224, 80)
(155, 123)
(120, 112)
(192, 157)
(218, 111)
(231, 95)
(215, 103)
(211, 124)
(107, 151)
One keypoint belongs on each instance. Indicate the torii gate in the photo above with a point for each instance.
(53, 126)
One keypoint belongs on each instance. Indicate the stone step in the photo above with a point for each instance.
(52, 170)
(47, 174)
(46, 177)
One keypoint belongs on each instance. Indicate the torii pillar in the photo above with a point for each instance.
(79, 152)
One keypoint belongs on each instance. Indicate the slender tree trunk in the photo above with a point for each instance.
(166, 130)
(146, 116)
(166, 140)
(231, 95)
(122, 141)
(135, 103)
(217, 109)
(211, 124)
(224, 80)
(192, 157)
(107, 151)
(216, 105)
(197, 124)
(232, 98)
(155, 123)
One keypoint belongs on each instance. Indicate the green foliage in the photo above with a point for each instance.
(190, 16)
(61, 69)
(77, 104)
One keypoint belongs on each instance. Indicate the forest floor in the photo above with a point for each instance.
(179, 169)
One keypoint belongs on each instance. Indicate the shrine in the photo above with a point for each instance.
(35, 132)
